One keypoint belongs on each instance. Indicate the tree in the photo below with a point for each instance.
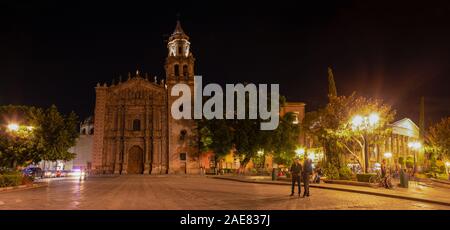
(285, 139)
(438, 139)
(332, 126)
(18, 146)
(422, 118)
(332, 91)
(216, 136)
(246, 138)
(57, 133)
(42, 135)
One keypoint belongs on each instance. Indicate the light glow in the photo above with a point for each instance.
(374, 118)
(13, 127)
(387, 155)
(300, 151)
(357, 121)
(414, 145)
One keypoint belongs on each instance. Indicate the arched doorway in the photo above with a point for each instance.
(135, 160)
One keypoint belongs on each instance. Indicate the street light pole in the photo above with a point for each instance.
(366, 153)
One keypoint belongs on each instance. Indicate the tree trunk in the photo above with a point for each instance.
(244, 164)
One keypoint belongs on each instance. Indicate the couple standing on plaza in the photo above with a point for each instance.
(298, 170)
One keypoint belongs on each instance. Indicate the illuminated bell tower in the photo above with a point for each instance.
(183, 155)
(180, 61)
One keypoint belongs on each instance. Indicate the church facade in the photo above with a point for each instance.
(134, 130)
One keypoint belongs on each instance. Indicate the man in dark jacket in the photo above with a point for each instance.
(296, 171)
(307, 171)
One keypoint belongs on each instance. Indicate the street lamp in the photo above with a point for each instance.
(388, 155)
(415, 146)
(365, 124)
(300, 151)
(13, 127)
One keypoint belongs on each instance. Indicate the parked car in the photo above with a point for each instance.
(49, 173)
(34, 172)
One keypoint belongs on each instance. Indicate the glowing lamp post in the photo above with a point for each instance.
(415, 146)
(13, 127)
(365, 124)
(388, 155)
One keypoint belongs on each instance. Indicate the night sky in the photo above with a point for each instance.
(56, 53)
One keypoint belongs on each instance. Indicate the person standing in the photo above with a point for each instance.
(296, 171)
(307, 170)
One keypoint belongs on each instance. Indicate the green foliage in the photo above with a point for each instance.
(364, 177)
(438, 139)
(51, 136)
(331, 172)
(401, 161)
(246, 138)
(332, 125)
(345, 173)
(285, 139)
(10, 179)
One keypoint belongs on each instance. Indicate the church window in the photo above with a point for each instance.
(83, 132)
(183, 156)
(177, 70)
(91, 131)
(136, 125)
(185, 71)
(180, 50)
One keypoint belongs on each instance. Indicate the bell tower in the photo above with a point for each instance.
(183, 154)
(180, 61)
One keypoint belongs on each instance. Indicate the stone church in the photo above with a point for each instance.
(134, 130)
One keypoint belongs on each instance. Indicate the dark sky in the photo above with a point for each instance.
(55, 53)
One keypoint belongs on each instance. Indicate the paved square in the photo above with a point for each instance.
(188, 193)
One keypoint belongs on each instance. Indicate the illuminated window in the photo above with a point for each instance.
(295, 121)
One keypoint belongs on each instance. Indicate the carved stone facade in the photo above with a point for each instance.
(134, 130)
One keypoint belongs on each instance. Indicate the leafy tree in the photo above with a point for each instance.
(56, 134)
(285, 139)
(216, 136)
(332, 126)
(438, 139)
(43, 134)
(17, 147)
(245, 137)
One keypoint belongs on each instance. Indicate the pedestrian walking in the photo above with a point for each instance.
(296, 172)
(307, 171)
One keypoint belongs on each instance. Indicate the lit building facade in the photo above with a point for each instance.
(134, 130)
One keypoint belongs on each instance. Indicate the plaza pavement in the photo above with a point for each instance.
(189, 193)
(417, 191)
